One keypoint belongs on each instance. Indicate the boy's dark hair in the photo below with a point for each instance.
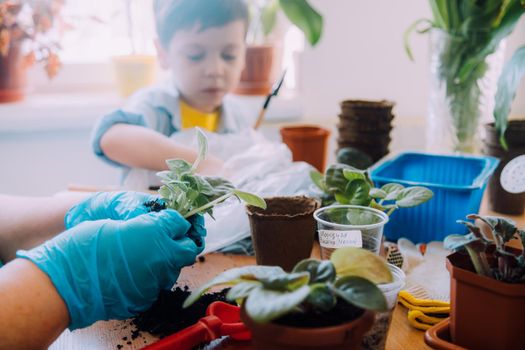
(174, 15)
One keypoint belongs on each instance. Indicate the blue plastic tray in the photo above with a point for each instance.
(458, 183)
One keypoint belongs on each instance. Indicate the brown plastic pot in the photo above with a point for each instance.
(256, 78)
(438, 337)
(12, 75)
(272, 336)
(307, 143)
(500, 200)
(485, 313)
(514, 135)
(283, 233)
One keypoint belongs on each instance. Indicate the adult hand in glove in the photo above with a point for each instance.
(113, 269)
(110, 205)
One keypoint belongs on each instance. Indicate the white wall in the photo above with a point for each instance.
(361, 55)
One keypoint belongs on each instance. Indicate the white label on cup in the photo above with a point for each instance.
(338, 239)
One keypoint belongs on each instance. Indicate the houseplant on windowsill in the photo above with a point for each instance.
(467, 39)
(29, 33)
(487, 286)
(261, 52)
(314, 305)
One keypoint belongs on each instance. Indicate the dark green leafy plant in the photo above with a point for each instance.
(269, 292)
(299, 12)
(508, 83)
(489, 257)
(475, 29)
(190, 193)
(347, 185)
(354, 157)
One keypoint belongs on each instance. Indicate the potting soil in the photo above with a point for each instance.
(166, 316)
(341, 313)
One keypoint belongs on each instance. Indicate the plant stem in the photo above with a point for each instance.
(208, 205)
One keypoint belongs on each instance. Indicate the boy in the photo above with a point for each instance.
(202, 43)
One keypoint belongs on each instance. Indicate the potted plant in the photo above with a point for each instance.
(353, 188)
(506, 140)
(487, 285)
(28, 34)
(256, 78)
(320, 304)
(467, 57)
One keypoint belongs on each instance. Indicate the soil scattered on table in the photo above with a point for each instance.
(201, 259)
(167, 316)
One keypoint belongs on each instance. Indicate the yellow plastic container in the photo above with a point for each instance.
(133, 72)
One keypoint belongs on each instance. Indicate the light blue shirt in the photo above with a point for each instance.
(158, 108)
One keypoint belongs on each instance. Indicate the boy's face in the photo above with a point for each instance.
(206, 64)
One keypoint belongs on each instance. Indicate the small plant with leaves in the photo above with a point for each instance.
(189, 193)
(269, 293)
(489, 257)
(347, 185)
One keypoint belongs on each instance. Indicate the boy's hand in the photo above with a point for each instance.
(110, 269)
(109, 205)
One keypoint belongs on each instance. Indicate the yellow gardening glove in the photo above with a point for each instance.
(423, 313)
(427, 292)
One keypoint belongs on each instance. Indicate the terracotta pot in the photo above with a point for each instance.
(283, 233)
(500, 200)
(12, 75)
(485, 313)
(256, 78)
(438, 337)
(272, 336)
(308, 144)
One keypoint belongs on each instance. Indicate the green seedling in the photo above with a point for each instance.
(347, 185)
(189, 193)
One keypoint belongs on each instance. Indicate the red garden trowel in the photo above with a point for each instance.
(221, 319)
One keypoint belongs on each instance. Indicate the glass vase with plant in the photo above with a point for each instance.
(466, 36)
(29, 33)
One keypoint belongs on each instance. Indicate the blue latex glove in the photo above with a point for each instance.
(109, 205)
(111, 269)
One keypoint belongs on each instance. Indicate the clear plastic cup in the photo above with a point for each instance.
(349, 226)
(375, 338)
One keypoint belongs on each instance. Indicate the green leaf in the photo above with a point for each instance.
(357, 192)
(242, 290)
(232, 277)
(250, 199)
(305, 17)
(413, 196)
(354, 174)
(318, 179)
(203, 149)
(321, 297)
(352, 261)
(264, 305)
(178, 166)
(285, 281)
(361, 293)
(392, 190)
(334, 179)
(410, 30)
(455, 242)
(269, 16)
(320, 271)
(508, 84)
(377, 193)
